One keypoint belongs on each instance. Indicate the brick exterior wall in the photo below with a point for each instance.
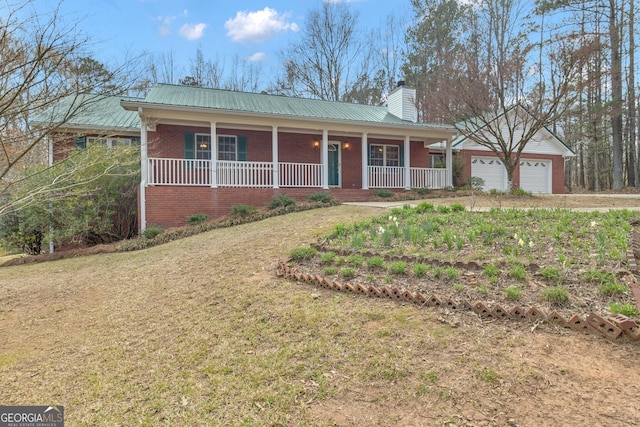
(557, 174)
(170, 206)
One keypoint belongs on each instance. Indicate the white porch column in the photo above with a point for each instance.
(274, 157)
(214, 156)
(407, 163)
(324, 159)
(49, 140)
(144, 166)
(449, 163)
(365, 162)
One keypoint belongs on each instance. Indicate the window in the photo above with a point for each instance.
(109, 142)
(227, 148)
(436, 160)
(203, 147)
(384, 155)
(230, 147)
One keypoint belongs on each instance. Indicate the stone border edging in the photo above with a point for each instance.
(612, 327)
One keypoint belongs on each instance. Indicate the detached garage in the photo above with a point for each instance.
(539, 171)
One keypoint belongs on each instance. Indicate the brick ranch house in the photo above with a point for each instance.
(206, 150)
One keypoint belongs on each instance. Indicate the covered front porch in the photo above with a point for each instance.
(295, 159)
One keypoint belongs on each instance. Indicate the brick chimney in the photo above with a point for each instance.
(401, 102)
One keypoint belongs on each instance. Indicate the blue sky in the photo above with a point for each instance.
(250, 30)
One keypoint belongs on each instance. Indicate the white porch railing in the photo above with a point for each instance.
(393, 177)
(428, 177)
(232, 174)
(300, 174)
(245, 174)
(386, 176)
(260, 174)
(179, 172)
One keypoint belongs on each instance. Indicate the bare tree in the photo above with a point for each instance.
(493, 93)
(44, 61)
(321, 64)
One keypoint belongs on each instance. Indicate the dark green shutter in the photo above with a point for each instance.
(80, 142)
(401, 156)
(189, 145)
(368, 154)
(242, 148)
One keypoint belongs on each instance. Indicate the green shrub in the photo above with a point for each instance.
(419, 270)
(491, 270)
(457, 207)
(398, 267)
(330, 271)
(375, 262)
(624, 309)
(384, 193)
(355, 260)
(324, 198)
(513, 292)
(553, 274)
(89, 199)
(198, 218)
(281, 201)
(152, 231)
(303, 252)
(424, 207)
(476, 183)
(555, 294)
(599, 277)
(452, 273)
(348, 272)
(327, 257)
(520, 192)
(443, 209)
(518, 272)
(612, 288)
(242, 210)
(421, 191)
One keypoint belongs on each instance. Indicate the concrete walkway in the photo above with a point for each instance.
(414, 203)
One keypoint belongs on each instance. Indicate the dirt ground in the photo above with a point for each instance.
(143, 337)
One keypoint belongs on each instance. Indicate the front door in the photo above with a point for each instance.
(334, 164)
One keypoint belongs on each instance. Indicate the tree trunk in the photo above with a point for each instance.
(633, 149)
(616, 96)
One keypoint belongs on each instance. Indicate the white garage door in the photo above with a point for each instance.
(491, 170)
(535, 175)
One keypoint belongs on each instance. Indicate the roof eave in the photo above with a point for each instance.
(446, 131)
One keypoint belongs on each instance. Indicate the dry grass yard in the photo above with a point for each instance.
(200, 332)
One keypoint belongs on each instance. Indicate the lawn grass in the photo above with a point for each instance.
(200, 332)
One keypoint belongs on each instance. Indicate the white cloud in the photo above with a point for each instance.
(164, 29)
(192, 31)
(258, 26)
(257, 57)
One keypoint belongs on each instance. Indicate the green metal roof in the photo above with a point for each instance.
(260, 103)
(91, 112)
